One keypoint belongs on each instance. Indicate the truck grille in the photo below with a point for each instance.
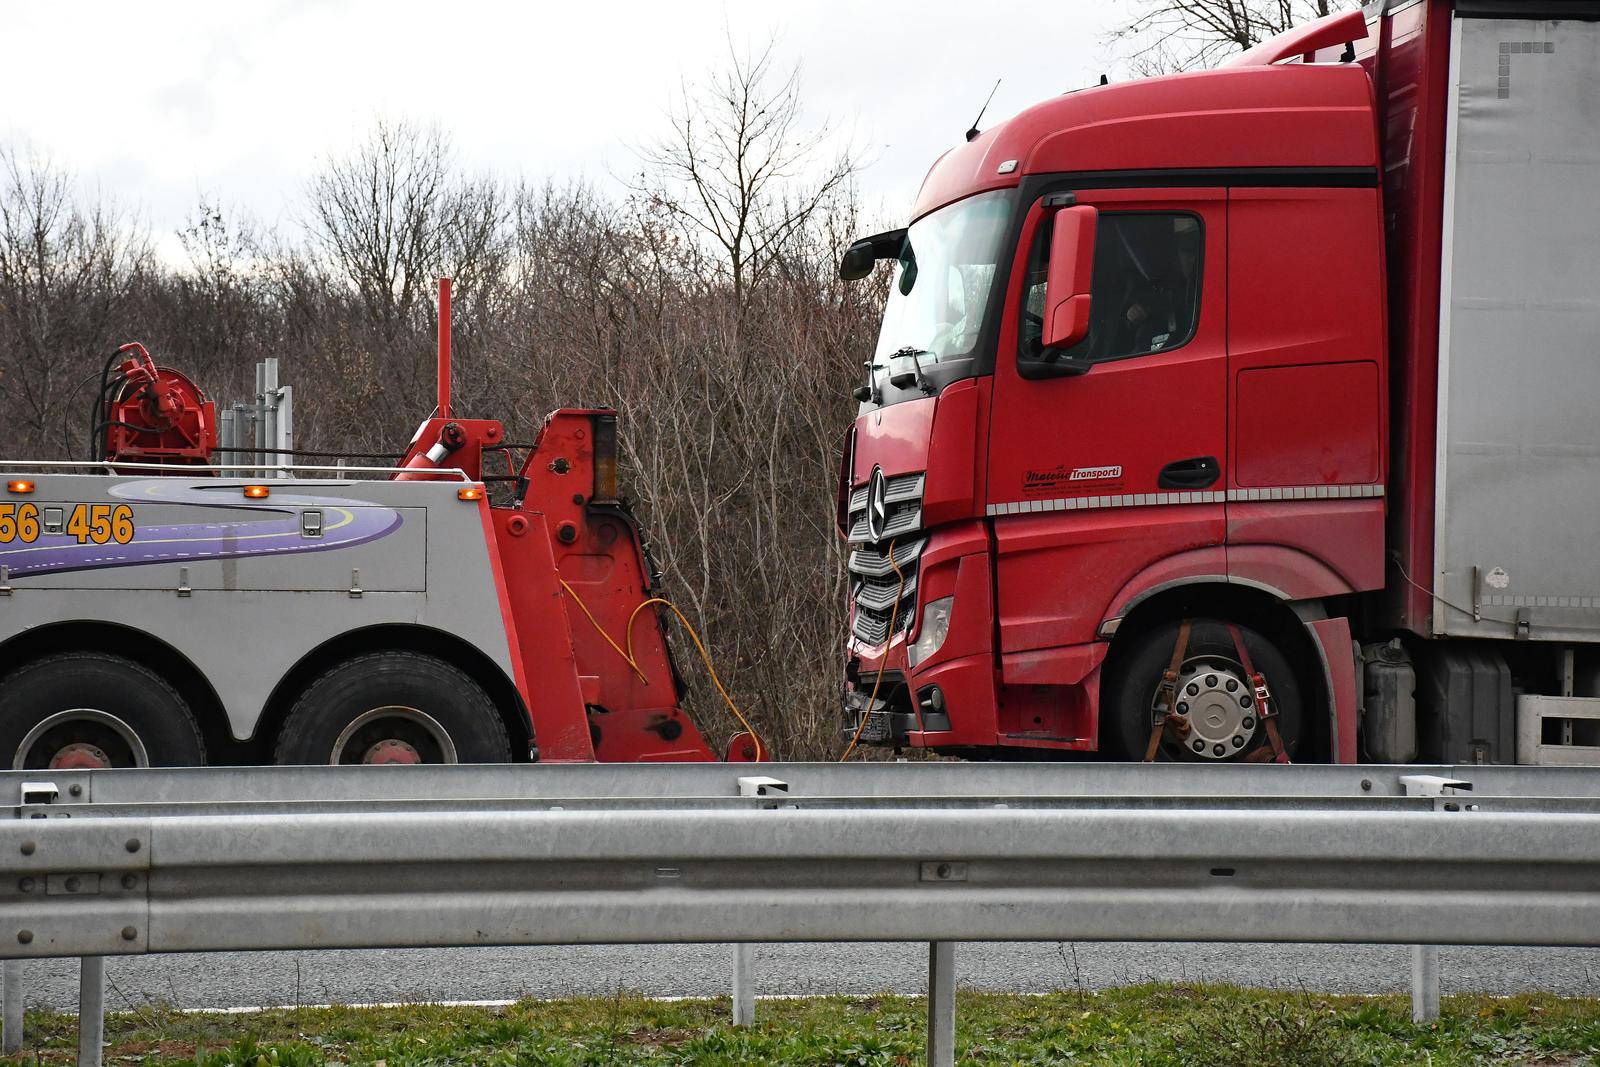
(873, 579)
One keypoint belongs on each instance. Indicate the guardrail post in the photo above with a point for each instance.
(1424, 983)
(744, 984)
(744, 954)
(91, 1010)
(12, 993)
(941, 1004)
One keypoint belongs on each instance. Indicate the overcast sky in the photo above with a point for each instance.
(159, 103)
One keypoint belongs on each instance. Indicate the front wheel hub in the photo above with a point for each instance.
(391, 750)
(80, 756)
(80, 739)
(393, 735)
(1217, 700)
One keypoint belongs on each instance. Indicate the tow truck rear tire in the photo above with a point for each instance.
(1211, 666)
(82, 710)
(393, 708)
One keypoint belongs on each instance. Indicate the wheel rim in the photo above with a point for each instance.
(393, 735)
(80, 739)
(1217, 700)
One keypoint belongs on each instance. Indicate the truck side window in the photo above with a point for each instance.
(1145, 292)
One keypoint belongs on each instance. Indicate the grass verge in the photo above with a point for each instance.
(1158, 1025)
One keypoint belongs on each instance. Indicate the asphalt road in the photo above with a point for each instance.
(227, 980)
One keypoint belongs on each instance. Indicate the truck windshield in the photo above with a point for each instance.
(940, 290)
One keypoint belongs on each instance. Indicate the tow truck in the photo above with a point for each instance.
(481, 601)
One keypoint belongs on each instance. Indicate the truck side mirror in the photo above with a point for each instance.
(858, 260)
(1066, 291)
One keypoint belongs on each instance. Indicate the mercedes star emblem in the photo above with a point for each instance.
(877, 504)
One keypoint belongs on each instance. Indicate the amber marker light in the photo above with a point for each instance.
(257, 492)
(470, 492)
(20, 485)
(605, 457)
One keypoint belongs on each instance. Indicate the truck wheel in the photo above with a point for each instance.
(393, 707)
(1214, 694)
(84, 710)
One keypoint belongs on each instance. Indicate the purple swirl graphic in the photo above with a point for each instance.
(345, 523)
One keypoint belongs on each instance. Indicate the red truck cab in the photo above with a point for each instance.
(1129, 417)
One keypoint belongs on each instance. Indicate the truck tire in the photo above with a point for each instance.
(1213, 692)
(83, 710)
(393, 707)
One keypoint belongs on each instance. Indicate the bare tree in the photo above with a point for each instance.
(385, 221)
(1164, 36)
(220, 297)
(66, 272)
(734, 478)
(220, 247)
(739, 169)
(395, 214)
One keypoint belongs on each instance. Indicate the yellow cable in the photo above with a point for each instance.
(884, 660)
(705, 657)
(601, 630)
(700, 647)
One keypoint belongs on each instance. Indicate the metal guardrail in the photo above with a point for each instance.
(309, 788)
(114, 862)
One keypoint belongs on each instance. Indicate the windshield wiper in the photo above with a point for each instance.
(900, 379)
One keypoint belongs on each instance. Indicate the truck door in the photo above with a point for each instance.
(1096, 477)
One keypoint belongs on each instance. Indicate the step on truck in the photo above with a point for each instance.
(483, 600)
(1248, 413)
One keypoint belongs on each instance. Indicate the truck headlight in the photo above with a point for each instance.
(935, 627)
